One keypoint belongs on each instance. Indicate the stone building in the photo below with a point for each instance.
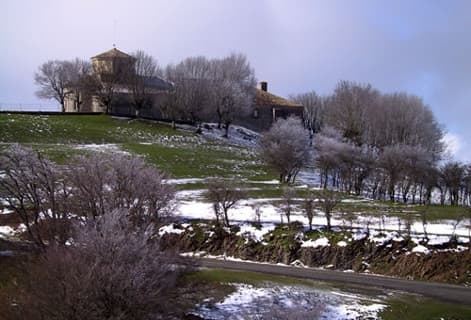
(268, 108)
(110, 69)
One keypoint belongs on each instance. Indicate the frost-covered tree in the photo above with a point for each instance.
(112, 270)
(47, 197)
(233, 88)
(101, 183)
(192, 88)
(38, 193)
(313, 109)
(285, 148)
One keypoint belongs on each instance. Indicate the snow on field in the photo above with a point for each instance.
(105, 147)
(420, 249)
(5, 211)
(184, 181)
(170, 229)
(248, 231)
(6, 231)
(237, 135)
(269, 213)
(251, 302)
(321, 242)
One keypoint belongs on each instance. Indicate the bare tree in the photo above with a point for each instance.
(36, 190)
(288, 200)
(313, 110)
(192, 92)
(139, 81)
(308, 208)
(224, 195)
(348, 110)
(80, 81)
(423, 217)
(451, 176)
(285, 148)
(111, 271)
(328, 200)
(52, 80)
(233, 88)
(392, 162)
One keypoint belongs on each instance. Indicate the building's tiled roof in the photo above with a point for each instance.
(113, 53)
(158, 83)
(263, 98)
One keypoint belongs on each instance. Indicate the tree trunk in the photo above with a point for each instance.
(327, 216)
(226, 217)
(226, 128)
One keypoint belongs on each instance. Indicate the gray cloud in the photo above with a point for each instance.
(421, 47)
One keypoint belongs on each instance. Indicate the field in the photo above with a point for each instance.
(190, 158)
(311, 298)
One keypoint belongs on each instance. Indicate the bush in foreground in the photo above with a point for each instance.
(112, 271)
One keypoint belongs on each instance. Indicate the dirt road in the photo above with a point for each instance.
(440, 291)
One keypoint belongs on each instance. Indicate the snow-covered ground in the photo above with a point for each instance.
(105, 147)
(269, 213)
(378, 229)
(251, 302)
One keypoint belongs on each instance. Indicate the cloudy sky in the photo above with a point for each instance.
(422, 47)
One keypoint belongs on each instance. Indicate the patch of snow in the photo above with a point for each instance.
(277, 301)
(170, 229)
(341, 244)
(420, 249)
(264, 182)
(437, 240)
(184, 181)
(248, 231)
(5, 211)
(6, 231)
(105, 147)
(321, 242)
(359, 236)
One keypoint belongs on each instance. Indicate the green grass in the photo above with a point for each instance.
(333, 236)
(78, 129)
(252, 278)
(418, 308)
(200, 162)
(180, 153)
(402, 306)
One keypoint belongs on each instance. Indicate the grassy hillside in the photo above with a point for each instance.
(183, 154)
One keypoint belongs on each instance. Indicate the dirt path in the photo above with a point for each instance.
(440, 291)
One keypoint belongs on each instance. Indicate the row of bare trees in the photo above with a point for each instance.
(387, 146)
(211, 89)
(363, 116)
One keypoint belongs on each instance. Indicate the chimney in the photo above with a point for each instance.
(263, 85)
